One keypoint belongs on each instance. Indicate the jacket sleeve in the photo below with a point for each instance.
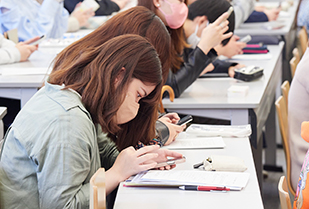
(194, 64)
(221, 66)
(242, 10)
(8, 52)
(107, 149)
(107, 7)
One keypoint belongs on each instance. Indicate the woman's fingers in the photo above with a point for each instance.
(146, 149)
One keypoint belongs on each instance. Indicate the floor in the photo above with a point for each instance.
(270, 184)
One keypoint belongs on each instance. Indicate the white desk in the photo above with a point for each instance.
(151, 198)
(258, 29)
(208, 98)
(25, 86)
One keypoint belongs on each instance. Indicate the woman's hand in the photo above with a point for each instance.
(213, 34)
(170, 121)
(82, 16)
(162, 157)
(232, 69)
(232, 48)
(25, 50)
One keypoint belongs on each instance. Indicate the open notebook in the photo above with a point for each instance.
(232, 180)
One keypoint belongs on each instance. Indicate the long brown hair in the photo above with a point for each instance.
(137, 20)
(178, 41)
(93, 76)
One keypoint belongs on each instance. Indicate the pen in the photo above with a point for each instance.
(204, 188)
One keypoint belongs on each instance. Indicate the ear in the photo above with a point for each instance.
(120, 76)
(200, 19)
(156, 3)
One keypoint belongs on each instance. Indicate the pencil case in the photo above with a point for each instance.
(224, 163)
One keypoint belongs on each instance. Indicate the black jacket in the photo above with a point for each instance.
(107, 7)
(195, 62)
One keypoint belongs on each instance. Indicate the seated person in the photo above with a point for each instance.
(40, 17)
(303, 14)
(297, 113)
(48, 159)
(262, 14)
(201, 13)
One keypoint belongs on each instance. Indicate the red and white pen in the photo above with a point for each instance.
(203, 188)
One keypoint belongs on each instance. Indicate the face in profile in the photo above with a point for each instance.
(130, 106)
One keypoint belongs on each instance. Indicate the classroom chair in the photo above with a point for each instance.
(97, 198)
(294, 61)
(303, 39)
(285, 201)
(170, 93)
(282, 114)
(285, 88)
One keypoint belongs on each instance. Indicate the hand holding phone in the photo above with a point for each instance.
(185, 120)
(245, 39)
(38, 41)
(173, 161)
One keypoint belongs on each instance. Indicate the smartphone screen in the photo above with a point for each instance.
(185, 120)
(229, 11)
(173, 161)
(38, 41)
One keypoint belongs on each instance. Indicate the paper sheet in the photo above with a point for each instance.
(232, 180)
(249, 57)
(192, 142)
(24, 71)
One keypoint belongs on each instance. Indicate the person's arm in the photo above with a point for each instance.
(190, 71)
(8, 52)
(222, 66)
(242, 10)
(51, 19)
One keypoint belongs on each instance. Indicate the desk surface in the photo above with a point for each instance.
(150, 198)
(39, 59)
(259, 29)
(212, 92)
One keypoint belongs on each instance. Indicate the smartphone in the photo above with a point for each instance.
(229, 11)
(38, 41)
(185, 120)
(245, 39)
(173, 161)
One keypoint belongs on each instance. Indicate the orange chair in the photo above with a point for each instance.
(285, 88)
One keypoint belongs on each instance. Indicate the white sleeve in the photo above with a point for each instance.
(73, 24)
(242, 10)
(8, 52)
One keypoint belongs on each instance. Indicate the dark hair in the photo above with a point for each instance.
(137, 20)
(212, 9)
(93, 75)
(177, 36)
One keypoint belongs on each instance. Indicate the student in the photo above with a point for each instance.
(302, 14)
(201, 13)
(79, 18)
(40, 17)
(298, 107)
(186, 69)
(48, 159)
(141, 21)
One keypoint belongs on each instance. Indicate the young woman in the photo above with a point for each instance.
(186, 69)
(141, 21)
(51, 150)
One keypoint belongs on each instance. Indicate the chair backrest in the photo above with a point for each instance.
(285, 201)
(170, 93)
(283, 123)
(285, 88)
(303, 39)
(294, 61)
(97, 198)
